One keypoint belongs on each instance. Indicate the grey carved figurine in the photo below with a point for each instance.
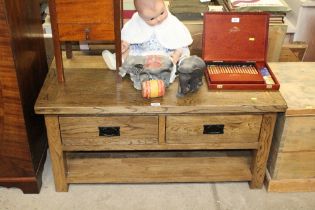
(143, 68)
(190, 72)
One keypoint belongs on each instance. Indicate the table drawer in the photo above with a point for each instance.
(212, 129)
(82, 32)
(82, 11)
(120, 130)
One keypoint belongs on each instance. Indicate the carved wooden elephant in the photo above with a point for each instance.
(190, 71)
(143, 68)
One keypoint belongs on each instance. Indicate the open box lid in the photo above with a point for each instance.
(235, 36)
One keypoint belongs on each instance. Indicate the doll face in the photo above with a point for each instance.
(153, 13)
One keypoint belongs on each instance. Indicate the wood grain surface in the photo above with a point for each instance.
(57, 155)
(121, 98)
(298, 134)
(290, 185)
(295, 165)
(156, 167)
(91, 97)
(190, 129)
(135, 130)
(96, 32)
(291, 164)
(23, 68)
(80, 20)
(297, 86)
(167, 147)
(82, 11)
(260, 156)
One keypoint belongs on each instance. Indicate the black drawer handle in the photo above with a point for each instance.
(213, 129)
(109, 131)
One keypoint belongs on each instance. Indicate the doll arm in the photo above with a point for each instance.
(124, 46)
(124, 50)
(180, 53)
(176, 55)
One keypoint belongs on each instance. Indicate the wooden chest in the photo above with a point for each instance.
(235, 51)
(105, 132)
(291, 164)
(82, 20)
(23, 68)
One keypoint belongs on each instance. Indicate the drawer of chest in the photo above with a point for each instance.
(83, 11)
(83, 32)
(120, 130)
(212, 129)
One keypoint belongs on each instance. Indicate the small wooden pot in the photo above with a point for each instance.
(153, 88)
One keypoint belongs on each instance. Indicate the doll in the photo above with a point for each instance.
(152, 30)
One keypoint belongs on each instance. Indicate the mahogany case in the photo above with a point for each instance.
(232, 41)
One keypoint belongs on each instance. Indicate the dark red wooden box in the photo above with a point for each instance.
(233, 41)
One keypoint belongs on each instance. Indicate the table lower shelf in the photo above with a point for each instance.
(149, 167)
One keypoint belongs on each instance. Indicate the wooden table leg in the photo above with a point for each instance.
(57, 156)
(260, 156)
(118, 7)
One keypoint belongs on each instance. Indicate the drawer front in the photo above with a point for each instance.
(212, 129)
(123, 130)
(83, 32)
(83, 11)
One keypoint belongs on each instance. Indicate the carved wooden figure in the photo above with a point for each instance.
(190, 72)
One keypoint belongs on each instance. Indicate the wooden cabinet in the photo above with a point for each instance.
(82, 20)
(107, 133)
(291, 164)
(23, 68)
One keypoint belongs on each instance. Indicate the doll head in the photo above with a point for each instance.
(153, 12)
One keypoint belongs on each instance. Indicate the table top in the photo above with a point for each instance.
(297, 85)
(91, 88)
